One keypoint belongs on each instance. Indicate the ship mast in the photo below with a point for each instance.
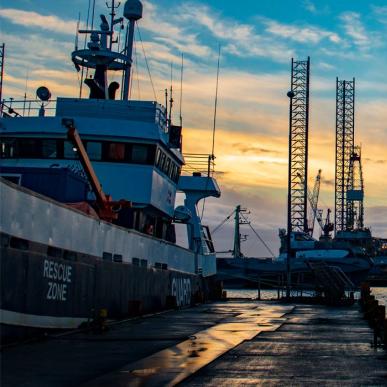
(100, 56)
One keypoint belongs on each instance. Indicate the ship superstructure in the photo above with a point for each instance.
(51, 223)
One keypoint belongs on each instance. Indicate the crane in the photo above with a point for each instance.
(106, 208)
(314, 212)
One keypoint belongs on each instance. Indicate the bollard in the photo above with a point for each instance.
(99, 324)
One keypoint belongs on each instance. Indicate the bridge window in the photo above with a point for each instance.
(94, 150)
(8, 148)
(69, 151)
(145, 154)
(139, 154)
(115, 151)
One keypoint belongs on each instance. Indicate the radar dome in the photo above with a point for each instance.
(133, 9)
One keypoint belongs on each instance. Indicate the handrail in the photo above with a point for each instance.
(199, 163)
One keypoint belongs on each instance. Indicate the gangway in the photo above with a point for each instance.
(333, 281)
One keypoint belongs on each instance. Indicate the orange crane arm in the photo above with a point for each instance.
(73, 136)
(105, 204)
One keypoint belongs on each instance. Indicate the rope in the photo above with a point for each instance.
(258, 236)
(146, 62)
(216, 104)
(222, 223)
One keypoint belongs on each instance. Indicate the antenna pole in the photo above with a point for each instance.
(2, 56)
(166, 105)
(216, 105)
(170, 98)
(112, 14)
(129, 49)
(181, 89)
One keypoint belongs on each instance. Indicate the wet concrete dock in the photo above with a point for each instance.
(225, 343)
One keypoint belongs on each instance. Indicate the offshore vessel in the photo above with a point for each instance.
(68, 249)
(350, 252)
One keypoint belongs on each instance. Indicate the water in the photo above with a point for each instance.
(380, 294)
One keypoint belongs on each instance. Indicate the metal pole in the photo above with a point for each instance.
(129, 49)
(289, 219)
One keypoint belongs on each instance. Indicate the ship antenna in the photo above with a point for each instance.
(113, 22)
(84, 47)
(92, 15)
(146, 62)
(171, 98)
(216, 105)
(76, 32)
(166, 105)
(181, 89)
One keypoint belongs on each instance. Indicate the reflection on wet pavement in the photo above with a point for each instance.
(172, 365)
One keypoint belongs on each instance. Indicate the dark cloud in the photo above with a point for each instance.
(272, 162)
(380, 161)
(243, 148)
(330, 182)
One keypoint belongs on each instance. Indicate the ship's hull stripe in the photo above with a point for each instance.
(36, 321)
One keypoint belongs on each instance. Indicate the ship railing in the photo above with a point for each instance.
(199, 163)
(27, 108)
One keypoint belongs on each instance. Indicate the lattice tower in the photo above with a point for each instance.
(298, 145)
(355, 192)
(345, 120)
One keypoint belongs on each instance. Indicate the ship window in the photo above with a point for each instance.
(8, 147)
(166, 165)
(117, 258)
(158, 155)
(107, 256)
(116, 151)
(174, 176)
(49, 149)
(69, 151)
(162, 160)
(139, 154)
(94, 150)
(28, 148)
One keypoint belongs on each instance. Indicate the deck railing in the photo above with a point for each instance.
(27, 108)
(199, 163)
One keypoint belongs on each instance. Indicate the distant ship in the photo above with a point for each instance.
(69, 249)
(348, 251)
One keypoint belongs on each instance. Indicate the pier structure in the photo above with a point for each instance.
(233, 342)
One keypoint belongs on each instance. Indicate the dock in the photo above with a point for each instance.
(234, 342)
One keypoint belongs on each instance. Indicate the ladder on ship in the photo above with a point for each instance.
(333, 281)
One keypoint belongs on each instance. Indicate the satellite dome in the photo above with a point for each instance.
(43, 93)
(133, 9)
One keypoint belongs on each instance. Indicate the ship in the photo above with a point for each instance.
(350, 252)
(88, 201)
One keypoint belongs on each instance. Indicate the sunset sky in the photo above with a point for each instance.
(258, 39)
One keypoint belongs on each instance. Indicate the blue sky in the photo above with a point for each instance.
(258, 39)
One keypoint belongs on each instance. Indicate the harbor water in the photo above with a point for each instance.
(380, 294)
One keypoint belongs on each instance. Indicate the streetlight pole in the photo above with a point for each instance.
(290, 94)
